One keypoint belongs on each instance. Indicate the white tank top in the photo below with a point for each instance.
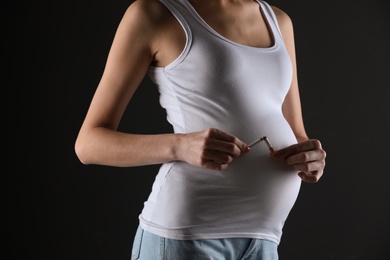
(218, 83)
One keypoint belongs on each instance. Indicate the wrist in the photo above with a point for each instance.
(302, 138)
(177, 141)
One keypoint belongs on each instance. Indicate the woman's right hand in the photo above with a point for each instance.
(211, 148)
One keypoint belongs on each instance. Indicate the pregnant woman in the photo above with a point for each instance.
(226, 74)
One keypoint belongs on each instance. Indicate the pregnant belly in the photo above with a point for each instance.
(254, 189)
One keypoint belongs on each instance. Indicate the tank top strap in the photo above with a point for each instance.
(271, 17)
(178, 10)
(182, 15)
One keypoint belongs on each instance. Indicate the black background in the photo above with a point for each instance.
(54, 207)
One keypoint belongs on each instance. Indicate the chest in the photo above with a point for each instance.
(243, 24)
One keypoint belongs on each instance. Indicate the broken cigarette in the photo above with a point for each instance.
(264, 138)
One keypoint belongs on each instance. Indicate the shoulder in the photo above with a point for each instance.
(149, 11)
(154, 27)
(150, 18)
(145, 19)
(284, 20)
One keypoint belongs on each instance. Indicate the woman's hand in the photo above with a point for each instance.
(308, 157)
(211, 148)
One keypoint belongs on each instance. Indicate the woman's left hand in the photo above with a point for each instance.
(307, 157)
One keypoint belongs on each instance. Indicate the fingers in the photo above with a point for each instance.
(220, 148)
(310, 176)
(308, 166)
(226, 142)
(212, 148)
(307, 157)
(308, 145)
(216, 156)
(215, 166)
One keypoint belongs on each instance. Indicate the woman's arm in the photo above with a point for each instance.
(307, 156)
(143, 38)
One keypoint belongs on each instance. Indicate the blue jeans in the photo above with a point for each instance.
(148, 246)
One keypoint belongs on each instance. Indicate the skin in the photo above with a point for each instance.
(147, 35)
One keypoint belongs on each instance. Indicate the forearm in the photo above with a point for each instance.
(112, 148)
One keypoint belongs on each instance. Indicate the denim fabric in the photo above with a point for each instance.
(148, 246)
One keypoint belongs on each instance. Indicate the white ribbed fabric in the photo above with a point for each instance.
(239, 89)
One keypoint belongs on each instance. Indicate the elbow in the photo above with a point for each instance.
(81, 151)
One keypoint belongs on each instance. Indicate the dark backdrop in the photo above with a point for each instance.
(53, 55)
